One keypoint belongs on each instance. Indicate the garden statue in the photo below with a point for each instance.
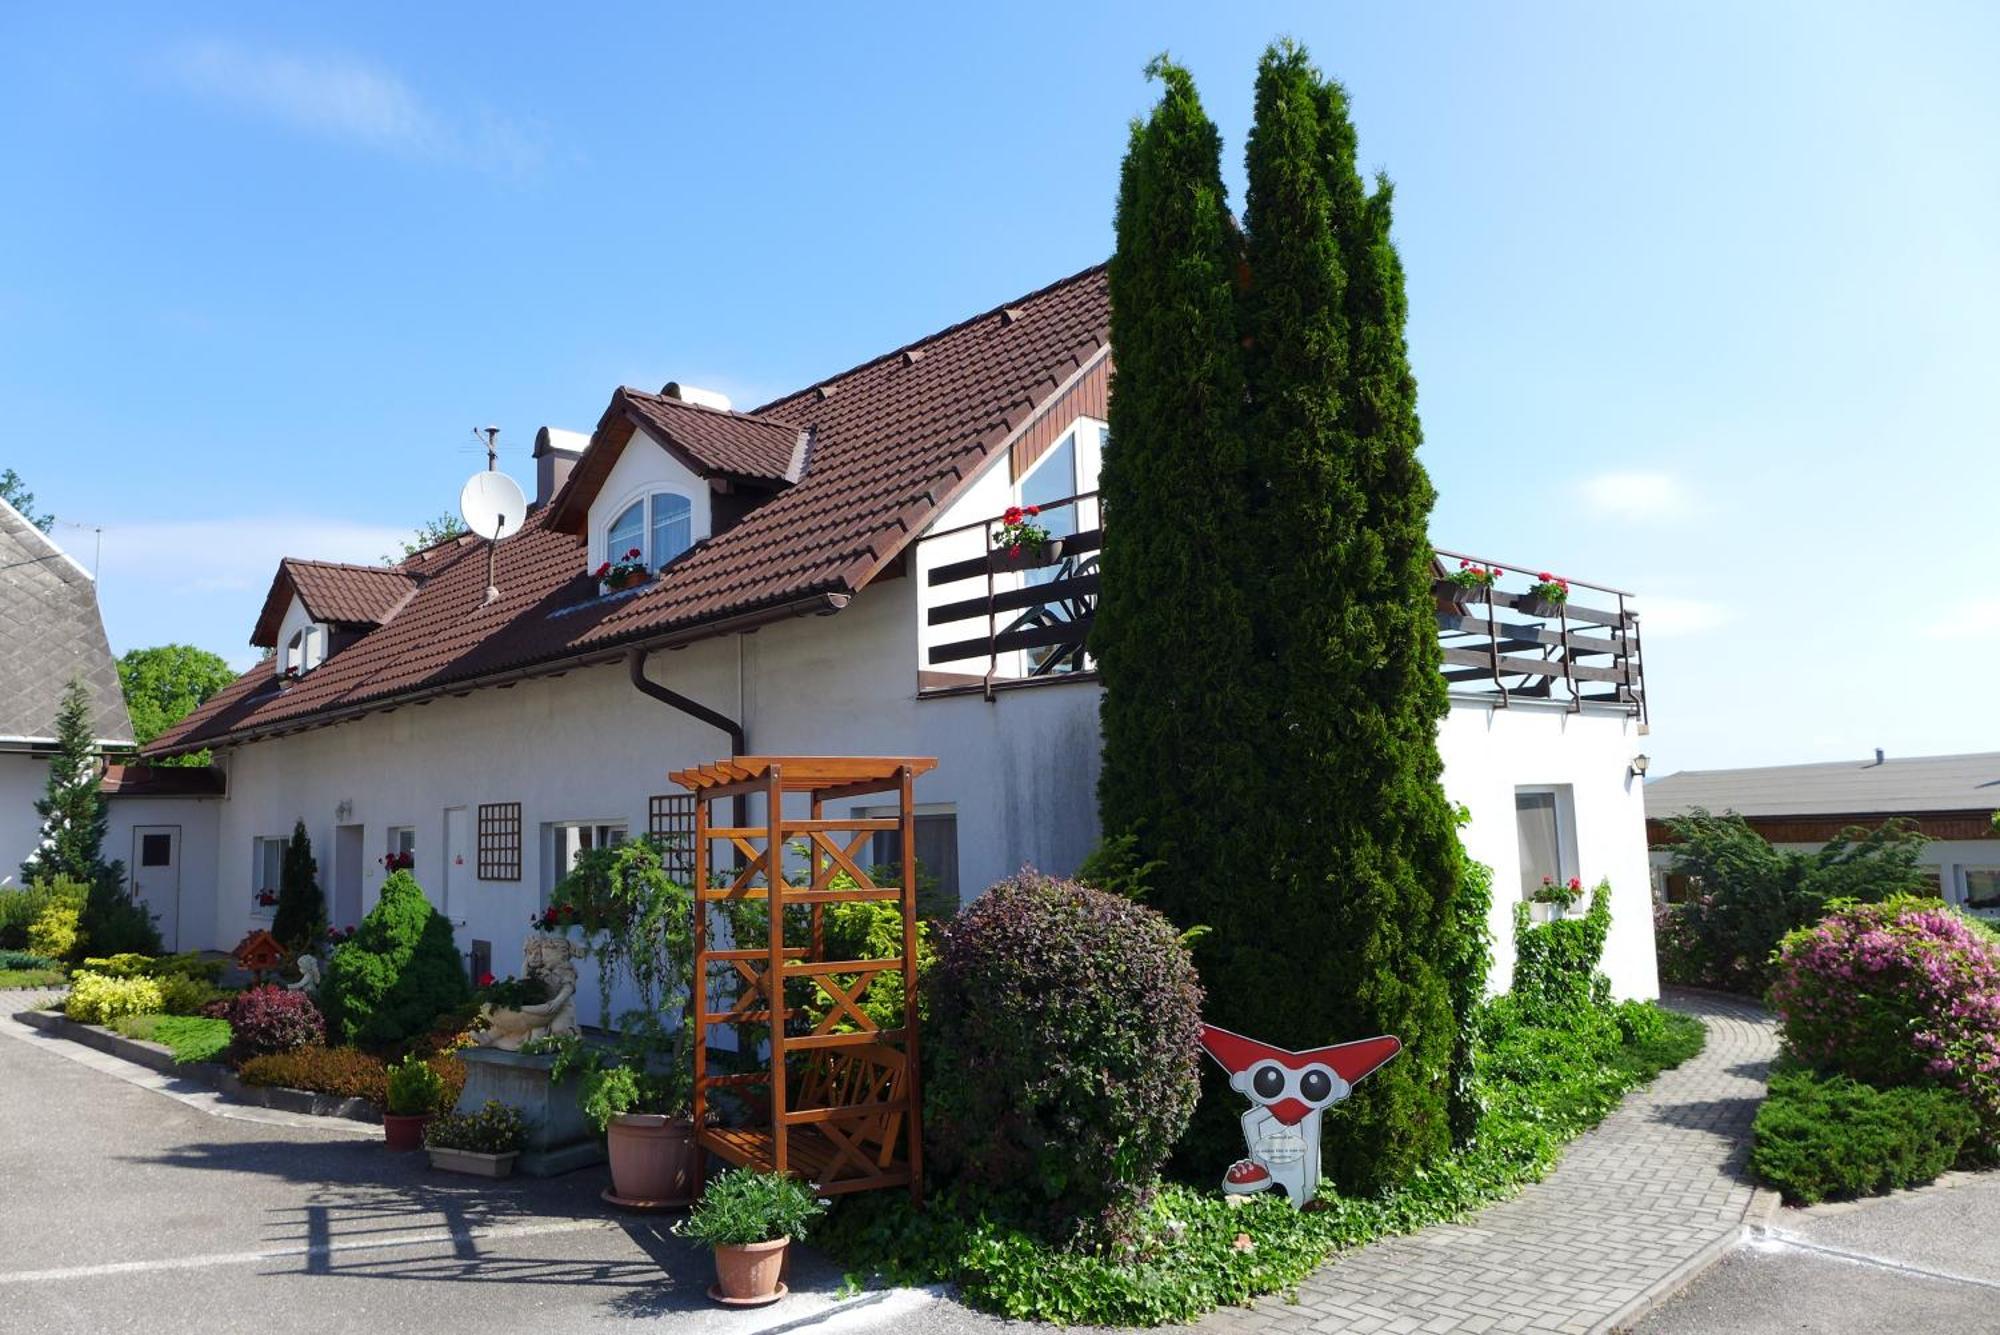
(308, 976)
(551, 960)
(1288, 1091)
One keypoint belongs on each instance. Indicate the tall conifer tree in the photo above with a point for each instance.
(71, 807)
(1171, 638)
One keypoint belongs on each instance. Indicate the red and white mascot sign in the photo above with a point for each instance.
(1288, 1091)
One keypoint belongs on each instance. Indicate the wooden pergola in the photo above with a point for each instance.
(845, 1094)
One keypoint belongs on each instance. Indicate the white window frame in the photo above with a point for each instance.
(1567, 860)
(645, 498)
(1963, 886)
(555, 865)
(257, 843)
(920, 810)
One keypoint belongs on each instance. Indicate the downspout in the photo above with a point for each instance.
(635, 667)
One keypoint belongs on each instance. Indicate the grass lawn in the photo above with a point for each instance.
(27, 978)
(1543, 1083)
(191, 1038)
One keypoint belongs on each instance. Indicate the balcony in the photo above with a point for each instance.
(995, 620)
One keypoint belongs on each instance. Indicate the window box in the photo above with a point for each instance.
(1030, 557)
(474, 1163)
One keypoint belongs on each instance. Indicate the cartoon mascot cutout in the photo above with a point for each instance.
(1288, 1092)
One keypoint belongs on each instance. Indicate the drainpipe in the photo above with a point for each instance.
(635, 667)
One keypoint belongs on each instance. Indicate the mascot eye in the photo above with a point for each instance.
(1315, 1085)
(1269, 1082)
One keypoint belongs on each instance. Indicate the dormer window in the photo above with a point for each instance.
(305, 651)
(660, 527)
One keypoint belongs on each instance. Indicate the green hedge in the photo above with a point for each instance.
(1830, 1137)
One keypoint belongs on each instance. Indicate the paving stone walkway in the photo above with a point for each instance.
(1633, 1199)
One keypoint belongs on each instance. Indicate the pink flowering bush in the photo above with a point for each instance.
(1904, 992)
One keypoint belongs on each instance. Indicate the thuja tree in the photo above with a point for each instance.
(300, 920)
(71, 807)
(1171, 639)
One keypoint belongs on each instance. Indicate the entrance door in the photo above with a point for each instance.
(347, 859)
(156, 877)
(457, 868)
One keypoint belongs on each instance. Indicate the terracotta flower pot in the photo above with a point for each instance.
(654, 1160)
(404, 1131)
(750, 1273)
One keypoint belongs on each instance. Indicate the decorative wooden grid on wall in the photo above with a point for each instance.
(670, 824)
(500, 841)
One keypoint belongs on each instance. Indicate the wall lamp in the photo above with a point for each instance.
(1639, 765)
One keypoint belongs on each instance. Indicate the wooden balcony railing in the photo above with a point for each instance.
(994, 620)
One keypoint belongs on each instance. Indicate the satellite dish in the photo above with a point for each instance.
(492, 505)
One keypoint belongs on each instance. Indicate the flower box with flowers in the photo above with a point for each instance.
(627, 572)
(1020, 543)
(1470, 583)
(1545, 597)
(394, 862)
(265, 902)
(1557, 897)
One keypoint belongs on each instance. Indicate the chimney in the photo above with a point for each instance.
(556, 452)
(1879, 757)
(700, 398)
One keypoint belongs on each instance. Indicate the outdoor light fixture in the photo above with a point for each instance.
(1639, 764)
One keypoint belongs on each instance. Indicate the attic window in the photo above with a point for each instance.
(305, 651)
(659, 527)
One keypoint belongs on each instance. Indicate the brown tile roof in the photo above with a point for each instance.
(344, 595)
(891, 442)
(161, 781)
(711, 442)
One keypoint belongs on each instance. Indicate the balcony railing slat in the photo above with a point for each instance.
(1067, 632)
(1073, 544)
(1009, 600)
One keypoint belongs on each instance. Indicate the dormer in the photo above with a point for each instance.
(316, 608)
(667, 471)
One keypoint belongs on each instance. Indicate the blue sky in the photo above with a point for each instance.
(1703, 297)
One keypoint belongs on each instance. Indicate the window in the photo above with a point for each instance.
(403, 839)
(156, 850)
(565, 841)
(500, 841)
(937, 859)
(267, 865)
(1545, 821)
(1982, 888)
(659, 526)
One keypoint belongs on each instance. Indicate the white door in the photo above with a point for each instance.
(348, 856)
(156, 878)
(457, 868)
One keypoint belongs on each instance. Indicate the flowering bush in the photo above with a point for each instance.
(271, 1019)
(96, 998)
(1018, 529)
(1549, 588)
(628, 569)
(1472, 575)
(496, 1128)
(556, 917)
(1683, 960)
(1904, 992)
(405, 861)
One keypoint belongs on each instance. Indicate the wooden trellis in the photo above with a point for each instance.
(845, 1094)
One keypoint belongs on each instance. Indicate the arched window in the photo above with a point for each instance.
(660, 526)
(295, 652)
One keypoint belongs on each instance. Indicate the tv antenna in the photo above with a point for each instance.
(491, 503)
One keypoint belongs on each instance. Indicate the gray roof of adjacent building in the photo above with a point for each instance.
(1835, 788)
(48, 604)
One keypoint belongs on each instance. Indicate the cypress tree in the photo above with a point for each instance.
(1171, 639)
(1364, 859)
(71, 807)
(300, 919)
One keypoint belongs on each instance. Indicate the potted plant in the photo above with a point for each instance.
(1470, 583)
(1558, 895)
(750, 1219)
(416, 1091)
(626, 572)
(483, 1143)
(1546, 596)
(1021, 541)
(399, 862)
(640, 923)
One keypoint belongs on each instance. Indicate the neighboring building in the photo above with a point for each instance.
(1950, 799)
(52, 634)
(820, 579)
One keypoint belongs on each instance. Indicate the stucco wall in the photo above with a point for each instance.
(198, 819)
(642, 468)
(22, 779)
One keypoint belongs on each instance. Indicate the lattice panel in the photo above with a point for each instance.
(500, 841)
(670, 824)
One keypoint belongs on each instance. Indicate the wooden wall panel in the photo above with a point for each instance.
(1090, 396)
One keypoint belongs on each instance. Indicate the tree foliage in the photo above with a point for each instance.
(15, 493)
(300, 919)
(430, 533)
(1266, 629)
(165, 684)
(397, 974)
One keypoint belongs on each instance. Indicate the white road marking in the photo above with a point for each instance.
(1772, 1239)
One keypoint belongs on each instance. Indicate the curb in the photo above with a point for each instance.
(1673, 1282)
(223, 1081)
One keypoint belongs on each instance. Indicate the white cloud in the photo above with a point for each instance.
(225, 555)
(346, 99)
(1636, 496)
(1674, 617)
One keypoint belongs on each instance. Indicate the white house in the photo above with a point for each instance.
(52, 634)
(820, 580)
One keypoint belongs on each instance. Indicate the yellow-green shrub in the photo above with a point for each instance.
(96, 998)
(55, 934)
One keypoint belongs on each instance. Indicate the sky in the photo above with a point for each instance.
(1704, 298)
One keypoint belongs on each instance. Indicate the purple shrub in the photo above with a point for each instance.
(270, 1019)
(1062, 1052)
(1905, 992)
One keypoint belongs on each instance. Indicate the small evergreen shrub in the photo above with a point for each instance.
(1822, 1138)
(57, 933)
(19, 908)
(1061, 1054)
(743, 1206)
(112, 921)
(345, 1073)
(414, 1087)
(182, 995)
(21, 959)
(270, 1019)
(300, 919)
(398, 973)
(96, 998)
(1904, 992)
(188, 1038)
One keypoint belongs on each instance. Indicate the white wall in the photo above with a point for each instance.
(198, 819)
(22, 779)
(1489, 752)
(643, 466)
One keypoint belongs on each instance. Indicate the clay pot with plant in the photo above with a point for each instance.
(416, 1093)
(750, 1220)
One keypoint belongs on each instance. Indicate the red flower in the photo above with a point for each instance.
(604, 570)
(1576, 883)
(486, 980)
(1465, 565)
(1034, 509)
(1015, 550)
(1012, 516)
(632, 555)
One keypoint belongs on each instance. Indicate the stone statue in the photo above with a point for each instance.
(308, 976)
(553, 960)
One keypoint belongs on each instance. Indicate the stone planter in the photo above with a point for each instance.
(750, 1275)
(474, 1162)
(559, 1140)
(404, 1132)
(655, 1163)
